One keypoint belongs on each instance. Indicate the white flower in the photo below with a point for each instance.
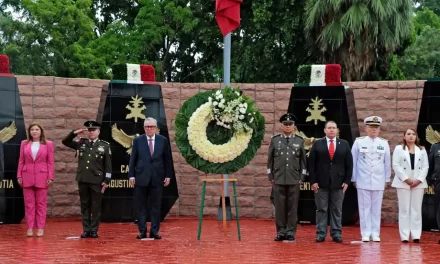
(241, 117)
(215, 103)
(210, 99)
(242, 110)
(237, 93)
(252, 119)
(223, 100)
(198, 140)
(221, 105)
(218, 92)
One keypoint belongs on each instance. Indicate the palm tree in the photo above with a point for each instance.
(351, 32)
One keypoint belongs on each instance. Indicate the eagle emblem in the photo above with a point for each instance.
(432, 136)
(122, 138)
(8, 132)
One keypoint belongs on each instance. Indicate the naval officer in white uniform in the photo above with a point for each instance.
(371, 175)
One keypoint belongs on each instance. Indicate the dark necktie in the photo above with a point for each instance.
(91, 143)
(287, 138)
(331, 149)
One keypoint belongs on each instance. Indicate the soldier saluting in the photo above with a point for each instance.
(286, 168)
(93, 174)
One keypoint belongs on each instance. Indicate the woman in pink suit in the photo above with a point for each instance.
(35, 173)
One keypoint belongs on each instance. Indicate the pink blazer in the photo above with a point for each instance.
(36, 172)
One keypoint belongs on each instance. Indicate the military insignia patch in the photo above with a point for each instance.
(101, 149)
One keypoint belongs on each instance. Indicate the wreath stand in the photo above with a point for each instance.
(202, 203)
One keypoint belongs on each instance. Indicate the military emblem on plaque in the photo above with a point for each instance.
(12, 132)
(123, 109)
(319, 96)
(428, 129)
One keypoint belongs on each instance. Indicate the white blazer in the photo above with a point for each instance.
(402, 167)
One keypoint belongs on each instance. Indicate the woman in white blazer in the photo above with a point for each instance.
(410, 164)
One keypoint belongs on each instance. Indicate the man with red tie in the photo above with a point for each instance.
(330, 168)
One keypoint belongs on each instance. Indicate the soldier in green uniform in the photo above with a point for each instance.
(93, 174)
(286, 168)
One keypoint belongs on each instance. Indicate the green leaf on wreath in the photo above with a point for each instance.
(217, 134)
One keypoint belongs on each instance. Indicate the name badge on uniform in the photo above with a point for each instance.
(101, 149)
(364, 149)
(296, 145)
(380, 149)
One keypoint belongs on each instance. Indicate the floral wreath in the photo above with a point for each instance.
(219, 131)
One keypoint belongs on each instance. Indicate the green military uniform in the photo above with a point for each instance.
(286, 167)
(94, 169)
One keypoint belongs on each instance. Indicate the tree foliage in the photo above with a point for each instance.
(351, 32)
(418, 62)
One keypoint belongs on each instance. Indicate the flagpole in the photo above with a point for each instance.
(226, 81)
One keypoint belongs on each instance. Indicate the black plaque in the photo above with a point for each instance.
(11, 113)
(429, 114)
(118, 204)
(334, 99)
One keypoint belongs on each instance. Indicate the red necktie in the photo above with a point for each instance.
(331, 149)
(150, 145)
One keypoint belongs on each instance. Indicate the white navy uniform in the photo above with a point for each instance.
(371, 171)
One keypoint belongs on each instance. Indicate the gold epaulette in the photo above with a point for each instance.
(104, 141)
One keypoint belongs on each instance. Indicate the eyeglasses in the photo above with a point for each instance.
(289, 124)
(150, 127)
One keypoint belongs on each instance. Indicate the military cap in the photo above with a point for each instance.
(373, 121)
(288, 119)
(91, 124)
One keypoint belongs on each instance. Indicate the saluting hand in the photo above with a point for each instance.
(166, 182)
(80, 131)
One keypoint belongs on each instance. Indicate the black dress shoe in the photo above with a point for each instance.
(404, 241)
(279, 238)
(320, 239)
(141, 235)
(290, 238)
(94, 234)
(155, 236)
(337, 239)
(85, 234)
(416, 240)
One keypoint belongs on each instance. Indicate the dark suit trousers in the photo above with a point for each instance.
(155, 194)
(437, 205)
(90, 197)
(323, 198)
(286, 199)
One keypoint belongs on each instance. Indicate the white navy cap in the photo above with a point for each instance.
(373, 120)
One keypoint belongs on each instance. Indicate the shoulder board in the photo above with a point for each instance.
(384, 139)
(104, 142)
(277, 135)
(299, 136)
(360, 137)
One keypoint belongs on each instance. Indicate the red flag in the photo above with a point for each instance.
(227, 14)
